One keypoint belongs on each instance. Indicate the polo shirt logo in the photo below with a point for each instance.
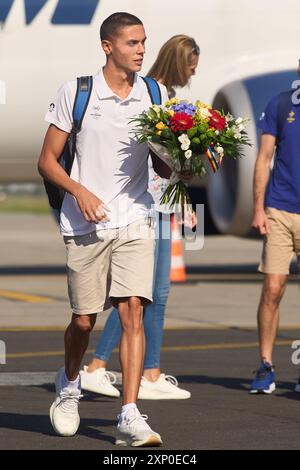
(95, 115)
(95, 112)
(290, 118)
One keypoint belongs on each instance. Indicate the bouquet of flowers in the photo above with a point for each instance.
(189, 138)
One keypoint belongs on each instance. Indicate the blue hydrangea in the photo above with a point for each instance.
(184, 107)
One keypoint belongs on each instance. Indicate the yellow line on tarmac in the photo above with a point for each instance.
(100, 328)
(197, 347)
(168, 328)
(12, 295)
(36, 354)
(207, 347)
(34, 329)
(39, 354)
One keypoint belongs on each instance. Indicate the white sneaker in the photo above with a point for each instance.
(64, 414)
(165, 388)
(99, 381)
(134, 431)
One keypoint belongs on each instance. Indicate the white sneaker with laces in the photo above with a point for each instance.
(164, 388)
(64, 414)
(134, 431)
(99, 381)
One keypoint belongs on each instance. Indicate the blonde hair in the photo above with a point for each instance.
(173, 60)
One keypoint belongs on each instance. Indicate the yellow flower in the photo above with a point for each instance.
(203, 113)
(156, 108)
(158, 132)
(171, 102)
(200, 104)
(160, 126)
(171, 112)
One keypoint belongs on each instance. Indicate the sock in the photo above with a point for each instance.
(126, 408)
(264, 360)
(71, 384)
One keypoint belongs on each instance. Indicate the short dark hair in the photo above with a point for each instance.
(115, 22)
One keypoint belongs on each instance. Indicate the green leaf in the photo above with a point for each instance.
(192, 132)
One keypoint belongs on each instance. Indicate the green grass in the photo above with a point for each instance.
(25, 204)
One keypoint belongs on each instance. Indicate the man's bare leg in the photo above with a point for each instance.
(268, 313)
(64, 414)
(132, 346)
(76, 342)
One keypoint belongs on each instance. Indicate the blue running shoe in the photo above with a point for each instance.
(264, 381)
(297, 387)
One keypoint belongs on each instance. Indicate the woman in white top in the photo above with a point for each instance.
(175, 64)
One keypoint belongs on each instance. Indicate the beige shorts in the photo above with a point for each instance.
(110, 264)
(281, 243)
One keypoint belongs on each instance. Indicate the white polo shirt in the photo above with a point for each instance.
(109, 162)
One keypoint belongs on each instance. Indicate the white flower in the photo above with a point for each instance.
(241, 127)
(237, 135)
(238, 121)
(228, 117)
(188, 154)
(185, 146)
(219, 150)
(183, 138)
(217, 132)
(185, 142)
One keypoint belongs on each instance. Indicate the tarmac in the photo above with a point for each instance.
(210, 346)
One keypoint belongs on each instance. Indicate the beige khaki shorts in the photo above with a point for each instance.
(281, 243)
(110, 264)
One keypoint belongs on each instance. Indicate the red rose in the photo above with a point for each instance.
(216, 121)
(181, 122)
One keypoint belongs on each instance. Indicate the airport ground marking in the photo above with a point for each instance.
(197, 347)
(204, 327)
(23, 297)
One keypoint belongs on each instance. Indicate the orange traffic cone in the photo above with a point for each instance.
(178, 273)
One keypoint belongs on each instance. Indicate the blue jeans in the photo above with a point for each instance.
(154, 313)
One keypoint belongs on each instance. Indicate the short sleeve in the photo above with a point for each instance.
(164, 94)
(268, 120)
(60, 109)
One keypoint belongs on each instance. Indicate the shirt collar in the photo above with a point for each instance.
(104, 92)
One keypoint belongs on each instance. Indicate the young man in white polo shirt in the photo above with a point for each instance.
(105, 221)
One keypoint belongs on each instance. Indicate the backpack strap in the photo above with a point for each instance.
(284, 106)
(82, 98)
(153, 90)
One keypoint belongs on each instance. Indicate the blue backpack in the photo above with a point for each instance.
(84, 89)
